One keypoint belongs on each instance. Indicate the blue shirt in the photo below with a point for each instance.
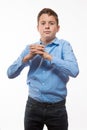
(47, 79)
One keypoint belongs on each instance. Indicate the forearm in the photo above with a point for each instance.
(17, 66)
(68, 67)
(15, 69)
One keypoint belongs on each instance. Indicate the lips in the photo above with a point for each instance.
(46, 32)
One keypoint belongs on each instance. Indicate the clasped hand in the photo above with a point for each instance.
(37, 49)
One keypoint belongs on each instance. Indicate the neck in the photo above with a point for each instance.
(47, 41)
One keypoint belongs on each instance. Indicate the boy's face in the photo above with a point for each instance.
(47, 27)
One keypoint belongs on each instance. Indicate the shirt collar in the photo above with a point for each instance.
(55, 41)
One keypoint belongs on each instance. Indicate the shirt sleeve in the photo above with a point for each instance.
(15, 69)
(67, 63)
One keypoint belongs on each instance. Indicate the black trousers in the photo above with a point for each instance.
(53, 115)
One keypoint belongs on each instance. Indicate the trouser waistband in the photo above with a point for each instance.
(46, 104)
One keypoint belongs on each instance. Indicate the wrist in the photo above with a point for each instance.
(48, 57)
(27, 57)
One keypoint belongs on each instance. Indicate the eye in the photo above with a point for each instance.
(42, 23)
(52, 23)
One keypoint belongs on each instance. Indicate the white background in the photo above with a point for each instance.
(18, 21)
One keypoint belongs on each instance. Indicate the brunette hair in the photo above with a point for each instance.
(49, 12)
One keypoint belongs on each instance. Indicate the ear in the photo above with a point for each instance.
(58, 28)
(37, 27)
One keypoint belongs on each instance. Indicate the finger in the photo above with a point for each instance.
(39, 52)
(36, 46)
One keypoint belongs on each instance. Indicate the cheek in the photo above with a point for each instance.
(41, 29)
(54, 30)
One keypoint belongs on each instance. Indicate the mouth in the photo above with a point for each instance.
(47, 32)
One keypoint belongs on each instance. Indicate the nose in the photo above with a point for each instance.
(47, 25)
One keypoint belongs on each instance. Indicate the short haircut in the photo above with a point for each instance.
(49, 12)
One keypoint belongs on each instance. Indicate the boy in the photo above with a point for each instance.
(51, 61)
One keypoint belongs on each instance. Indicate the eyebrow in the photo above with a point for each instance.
(48, 21)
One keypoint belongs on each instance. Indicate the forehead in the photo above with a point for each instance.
(46, 17)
